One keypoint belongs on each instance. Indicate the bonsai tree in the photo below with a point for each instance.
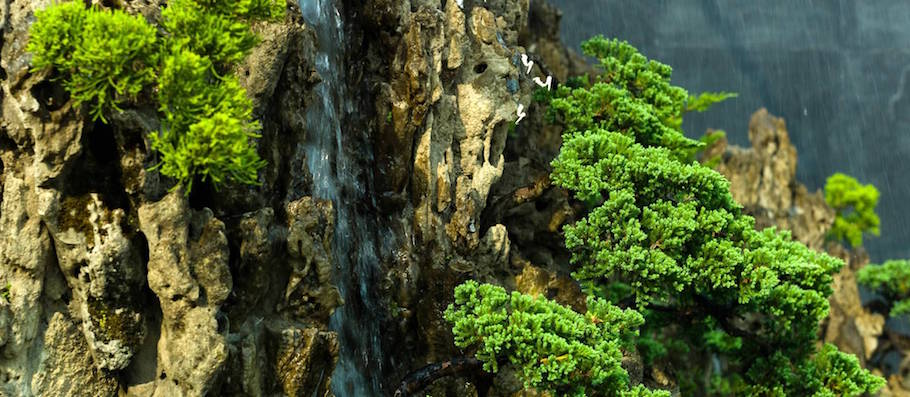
(105, 58)
(854, 205)
(891, 279)
(663, 239)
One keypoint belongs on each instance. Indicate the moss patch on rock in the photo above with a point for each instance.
(74, 215)
(114, 323)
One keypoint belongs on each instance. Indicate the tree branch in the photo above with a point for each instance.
(467, 367)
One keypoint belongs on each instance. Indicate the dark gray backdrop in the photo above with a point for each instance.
(837, 70)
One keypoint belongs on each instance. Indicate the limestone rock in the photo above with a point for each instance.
(762, 179)
(187, 269)
(304, 360)
(68, 370)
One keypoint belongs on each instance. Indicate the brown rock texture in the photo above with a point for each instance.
(763, 179)
(120, 285)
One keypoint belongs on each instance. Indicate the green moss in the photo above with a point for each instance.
(112, 324)
(108, 57)
(74, 215)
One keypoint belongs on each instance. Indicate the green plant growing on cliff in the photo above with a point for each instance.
(706, 282)
(108, 57)
(891, 279)
(854, 205)
(553, 347)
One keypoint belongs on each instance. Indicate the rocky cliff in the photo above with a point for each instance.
(118, 285)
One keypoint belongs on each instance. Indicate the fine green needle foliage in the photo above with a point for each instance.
(892, 279)
(105, 57)
(207, 125)
(55, 35)
(554, 348)
(854, 205)
(703, 101)
(830, 373)
(669, 228)
(109, 55)
(220, 37)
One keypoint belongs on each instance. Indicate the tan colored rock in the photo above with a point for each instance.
(187, 269)
(304, 361)
(562, 288)
(68, 370)
(762, 179)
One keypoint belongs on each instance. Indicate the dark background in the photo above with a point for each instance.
(838, 71)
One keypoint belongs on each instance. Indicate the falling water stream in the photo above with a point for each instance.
(337, 159)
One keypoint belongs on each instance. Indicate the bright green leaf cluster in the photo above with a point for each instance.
(669, 226)
(829, 373)
(106, 57)
(553, 347)
(892, 279)
(703, 101)
(214, 33)
(854, 205)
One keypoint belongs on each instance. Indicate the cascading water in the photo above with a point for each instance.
(337, 161)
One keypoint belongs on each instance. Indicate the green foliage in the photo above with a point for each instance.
(703, 101)
(828, 373)
(854, 205)
(106, 57)
(207, 124)
(891, 279)
(710, 138)
(553, 347)
(670, 228)
(107, 54)
(55, 35)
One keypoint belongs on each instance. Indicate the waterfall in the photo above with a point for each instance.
(339, 161)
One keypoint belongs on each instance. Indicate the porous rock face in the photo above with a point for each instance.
(763, 179)
(114, 284)
(464, 190)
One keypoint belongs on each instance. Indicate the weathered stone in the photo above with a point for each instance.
(762, 179)
(304, 360)
(68, 369)
(187, 269)
(309, 290)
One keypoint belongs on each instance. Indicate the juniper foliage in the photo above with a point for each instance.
(664, 236)
(854, 204)
(891, 279)
(107, 56)
(553, 347)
